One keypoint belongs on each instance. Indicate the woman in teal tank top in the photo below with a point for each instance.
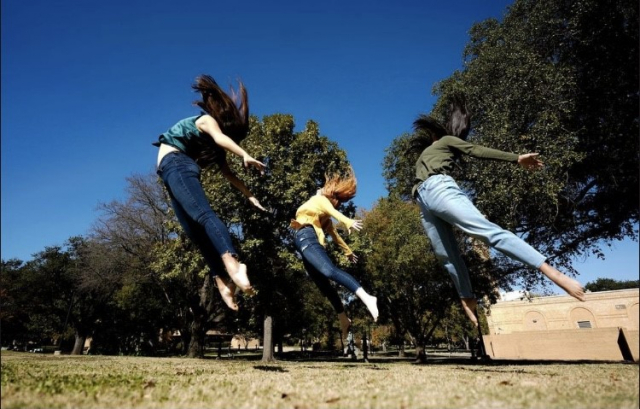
(444, 205)
(201, 141)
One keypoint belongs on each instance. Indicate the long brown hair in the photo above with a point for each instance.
(340, 187)
(231, 112)
(428, 129)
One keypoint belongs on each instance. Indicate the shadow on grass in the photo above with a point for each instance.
(382, 359)
(270, 368)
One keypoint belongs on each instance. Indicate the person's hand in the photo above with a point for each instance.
(530, 161)
(357, 226)
(353, 258)
(255, 203)
(248, 160)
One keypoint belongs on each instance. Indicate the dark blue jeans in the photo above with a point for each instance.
(181, 176)
(321, 269)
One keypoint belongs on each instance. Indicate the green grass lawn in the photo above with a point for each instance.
(47, 381)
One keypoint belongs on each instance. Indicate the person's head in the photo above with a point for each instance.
(230, 111)
(339, 188)
(428, 130)
(459, 122)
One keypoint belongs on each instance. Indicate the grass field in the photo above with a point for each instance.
(47, 381)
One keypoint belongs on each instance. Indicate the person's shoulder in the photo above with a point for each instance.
(206, 123)
(450, 139)
(202, 118)
(318, 199)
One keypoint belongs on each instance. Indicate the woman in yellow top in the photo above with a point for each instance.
(313, 220)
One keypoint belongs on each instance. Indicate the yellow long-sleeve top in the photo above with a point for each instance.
(317, 212)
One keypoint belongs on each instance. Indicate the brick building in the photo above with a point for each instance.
(604, 327)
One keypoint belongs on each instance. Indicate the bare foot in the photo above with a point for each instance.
(571, 286)
(228, 292)
(241, 279)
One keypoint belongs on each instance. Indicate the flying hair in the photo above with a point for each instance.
(459, 123)
(231, 111)
(428, 129)
(340, 187)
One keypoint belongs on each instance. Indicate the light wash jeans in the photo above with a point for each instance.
(444, 205)
(181, 176)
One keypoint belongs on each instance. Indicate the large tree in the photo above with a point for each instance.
(559, 78)
(296, 164)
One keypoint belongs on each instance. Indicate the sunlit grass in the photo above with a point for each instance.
(47, 381)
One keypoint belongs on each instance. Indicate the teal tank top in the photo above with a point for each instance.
(187, 138)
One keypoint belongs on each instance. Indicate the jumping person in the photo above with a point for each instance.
(199, 142)
(443, 204)
(313, 220)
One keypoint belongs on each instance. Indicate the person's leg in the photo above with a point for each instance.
(345, 324)
(330, 292)
(445, 246)
(196, 233)
(324, 286)
(469, 306)
(454, 207)
(314, 254)
(181, 176)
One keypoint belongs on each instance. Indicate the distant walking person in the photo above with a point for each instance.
(199, 142)
(313, 220)
(443, 204)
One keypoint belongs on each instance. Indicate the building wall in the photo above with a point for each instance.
(606, 309)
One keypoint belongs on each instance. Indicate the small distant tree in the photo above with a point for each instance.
(610, 284)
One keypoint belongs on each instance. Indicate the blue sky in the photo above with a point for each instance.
(88, 85)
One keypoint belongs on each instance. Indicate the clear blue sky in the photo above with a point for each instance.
(88, 85)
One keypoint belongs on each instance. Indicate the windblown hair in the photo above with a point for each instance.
(340, 187)
(428, 129)
(231, 112)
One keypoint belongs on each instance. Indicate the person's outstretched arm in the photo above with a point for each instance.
(530, 161)
(207, 124)
(239, 184)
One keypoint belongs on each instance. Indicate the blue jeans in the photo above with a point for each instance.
(181, 176)
(321, 269)
(444, 205)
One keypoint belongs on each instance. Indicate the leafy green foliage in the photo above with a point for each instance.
(413, 290)
(561, 79)
(609, 284)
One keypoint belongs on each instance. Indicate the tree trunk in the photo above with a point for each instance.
(78, 346)
(421, 354)
(267, 345)
(202, 308)
(196, 344)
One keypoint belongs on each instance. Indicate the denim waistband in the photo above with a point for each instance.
(172, 155)
(304, 229)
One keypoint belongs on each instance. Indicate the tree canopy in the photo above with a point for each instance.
(561, 79)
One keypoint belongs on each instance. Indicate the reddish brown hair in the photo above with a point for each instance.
(340, 187)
